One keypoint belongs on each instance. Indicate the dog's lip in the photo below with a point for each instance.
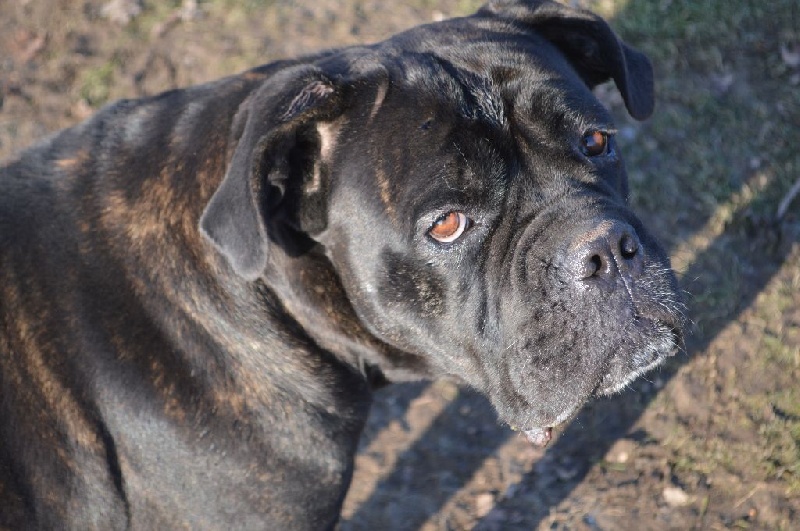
(604, 388)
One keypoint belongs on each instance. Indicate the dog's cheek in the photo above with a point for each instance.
(412, 285)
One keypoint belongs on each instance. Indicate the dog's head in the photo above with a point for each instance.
(468, 192)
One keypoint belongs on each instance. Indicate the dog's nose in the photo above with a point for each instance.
(611, 248)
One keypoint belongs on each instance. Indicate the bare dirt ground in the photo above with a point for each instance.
(712, 441)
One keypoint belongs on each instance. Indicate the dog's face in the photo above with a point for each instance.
(469, 194)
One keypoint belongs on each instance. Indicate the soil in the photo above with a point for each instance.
(711, 441)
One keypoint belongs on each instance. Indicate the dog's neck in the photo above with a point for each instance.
(311, 293)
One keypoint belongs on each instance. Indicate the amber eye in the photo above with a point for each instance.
(595, 143)
(449, 227)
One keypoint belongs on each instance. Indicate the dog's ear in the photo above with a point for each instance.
(271, 124)
(589, 44)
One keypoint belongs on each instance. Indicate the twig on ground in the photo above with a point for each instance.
(787, 200)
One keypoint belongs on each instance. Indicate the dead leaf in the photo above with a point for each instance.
(676, 497)
(790, 55)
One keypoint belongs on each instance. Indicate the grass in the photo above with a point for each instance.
(712, 165)
(725, 100)
(780, 351)
(96, 84)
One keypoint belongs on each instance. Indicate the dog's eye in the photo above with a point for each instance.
(595, 143)
(449, 227)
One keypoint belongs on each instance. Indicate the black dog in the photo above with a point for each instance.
(199, 290)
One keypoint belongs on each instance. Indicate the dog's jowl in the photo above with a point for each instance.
(199, 290)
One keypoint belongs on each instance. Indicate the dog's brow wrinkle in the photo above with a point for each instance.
(489, 104)
(379, 97)
(386, 192)
(455, 145)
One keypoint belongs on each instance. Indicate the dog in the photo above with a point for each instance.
(200, 290)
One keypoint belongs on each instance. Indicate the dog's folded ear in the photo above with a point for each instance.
(589, 44)
(269, 123)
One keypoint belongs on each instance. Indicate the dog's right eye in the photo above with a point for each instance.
(595, 143)
(449, 227)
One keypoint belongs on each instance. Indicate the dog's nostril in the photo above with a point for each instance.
(593, 266)
(628, 246)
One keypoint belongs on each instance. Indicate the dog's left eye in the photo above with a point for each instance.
(449, 227)
(595, 143)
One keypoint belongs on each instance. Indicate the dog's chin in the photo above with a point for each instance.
(650, 356)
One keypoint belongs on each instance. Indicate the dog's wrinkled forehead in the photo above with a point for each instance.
(474, 96)
(492, 84)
